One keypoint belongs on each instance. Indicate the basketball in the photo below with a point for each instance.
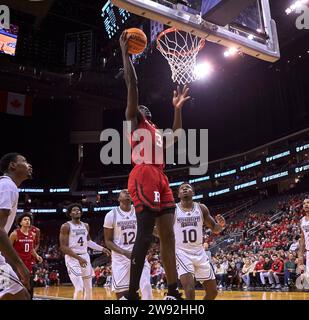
(137, 40)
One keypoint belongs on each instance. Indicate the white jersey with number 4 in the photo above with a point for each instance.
(188, 228)
(125, 227)
(78, 237)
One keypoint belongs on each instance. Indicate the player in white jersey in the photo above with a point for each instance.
(192, 260)
(304, 241)
(120, 228)
(74, 241)
(16, 169)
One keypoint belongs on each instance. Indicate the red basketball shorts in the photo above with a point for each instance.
(149, 187)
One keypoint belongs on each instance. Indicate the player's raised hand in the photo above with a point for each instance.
(180, 97)
(124, 42)
(220, 220)
(82, 262)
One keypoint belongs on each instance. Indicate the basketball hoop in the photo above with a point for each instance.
(180, 49)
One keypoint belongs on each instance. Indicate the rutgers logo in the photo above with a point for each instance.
(156, 196)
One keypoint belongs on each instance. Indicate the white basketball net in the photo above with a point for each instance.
(180, 49)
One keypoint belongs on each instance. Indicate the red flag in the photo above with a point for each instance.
(15, 103)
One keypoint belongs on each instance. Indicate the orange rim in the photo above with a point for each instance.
(170, 30)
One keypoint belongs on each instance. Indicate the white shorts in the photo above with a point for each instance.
(197, 264)
(307, 263)
(76, 272)
(121, 274)
(9, 282)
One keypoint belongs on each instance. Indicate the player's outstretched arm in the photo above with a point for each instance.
(216, 226)
(179, 99)
(94, 246)
(9, 253)
(130, 79)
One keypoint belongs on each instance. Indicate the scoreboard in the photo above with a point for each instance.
(114, 18)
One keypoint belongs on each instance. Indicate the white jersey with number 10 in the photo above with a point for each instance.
(188, 228)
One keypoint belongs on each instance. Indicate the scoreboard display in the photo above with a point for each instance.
(114, 18)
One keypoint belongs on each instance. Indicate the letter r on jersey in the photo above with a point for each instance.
(156, 196)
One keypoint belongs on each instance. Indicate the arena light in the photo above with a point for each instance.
(230, 52)
(116, 191)
(203, 70)
(103, 192)
(31, 190)
(295, 5)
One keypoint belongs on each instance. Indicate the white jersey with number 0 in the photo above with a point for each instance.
(188, 228)
(125, 227)
(78, 237)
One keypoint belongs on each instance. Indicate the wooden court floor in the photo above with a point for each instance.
(66, 293)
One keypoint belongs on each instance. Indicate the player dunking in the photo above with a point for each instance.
(304, 241)
(148, 185)
(120, 228)
(74, 240)
(16, 169)
(192, 260)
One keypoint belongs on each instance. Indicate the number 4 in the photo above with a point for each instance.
(80, 240)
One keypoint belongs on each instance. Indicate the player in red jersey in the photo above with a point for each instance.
(148, 185)
(23, 241)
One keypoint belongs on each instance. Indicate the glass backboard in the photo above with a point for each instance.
(245, 25)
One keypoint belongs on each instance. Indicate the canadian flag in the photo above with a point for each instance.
(15, 103)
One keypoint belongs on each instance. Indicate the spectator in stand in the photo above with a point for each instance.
(266, 272)
(276, 270)
(295, 244)
(259, 267)
(289, 270)
(220, 275)
(232, 276)
(247, 269)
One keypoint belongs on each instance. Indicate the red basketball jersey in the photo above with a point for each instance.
(152, 151)
(24, 246)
